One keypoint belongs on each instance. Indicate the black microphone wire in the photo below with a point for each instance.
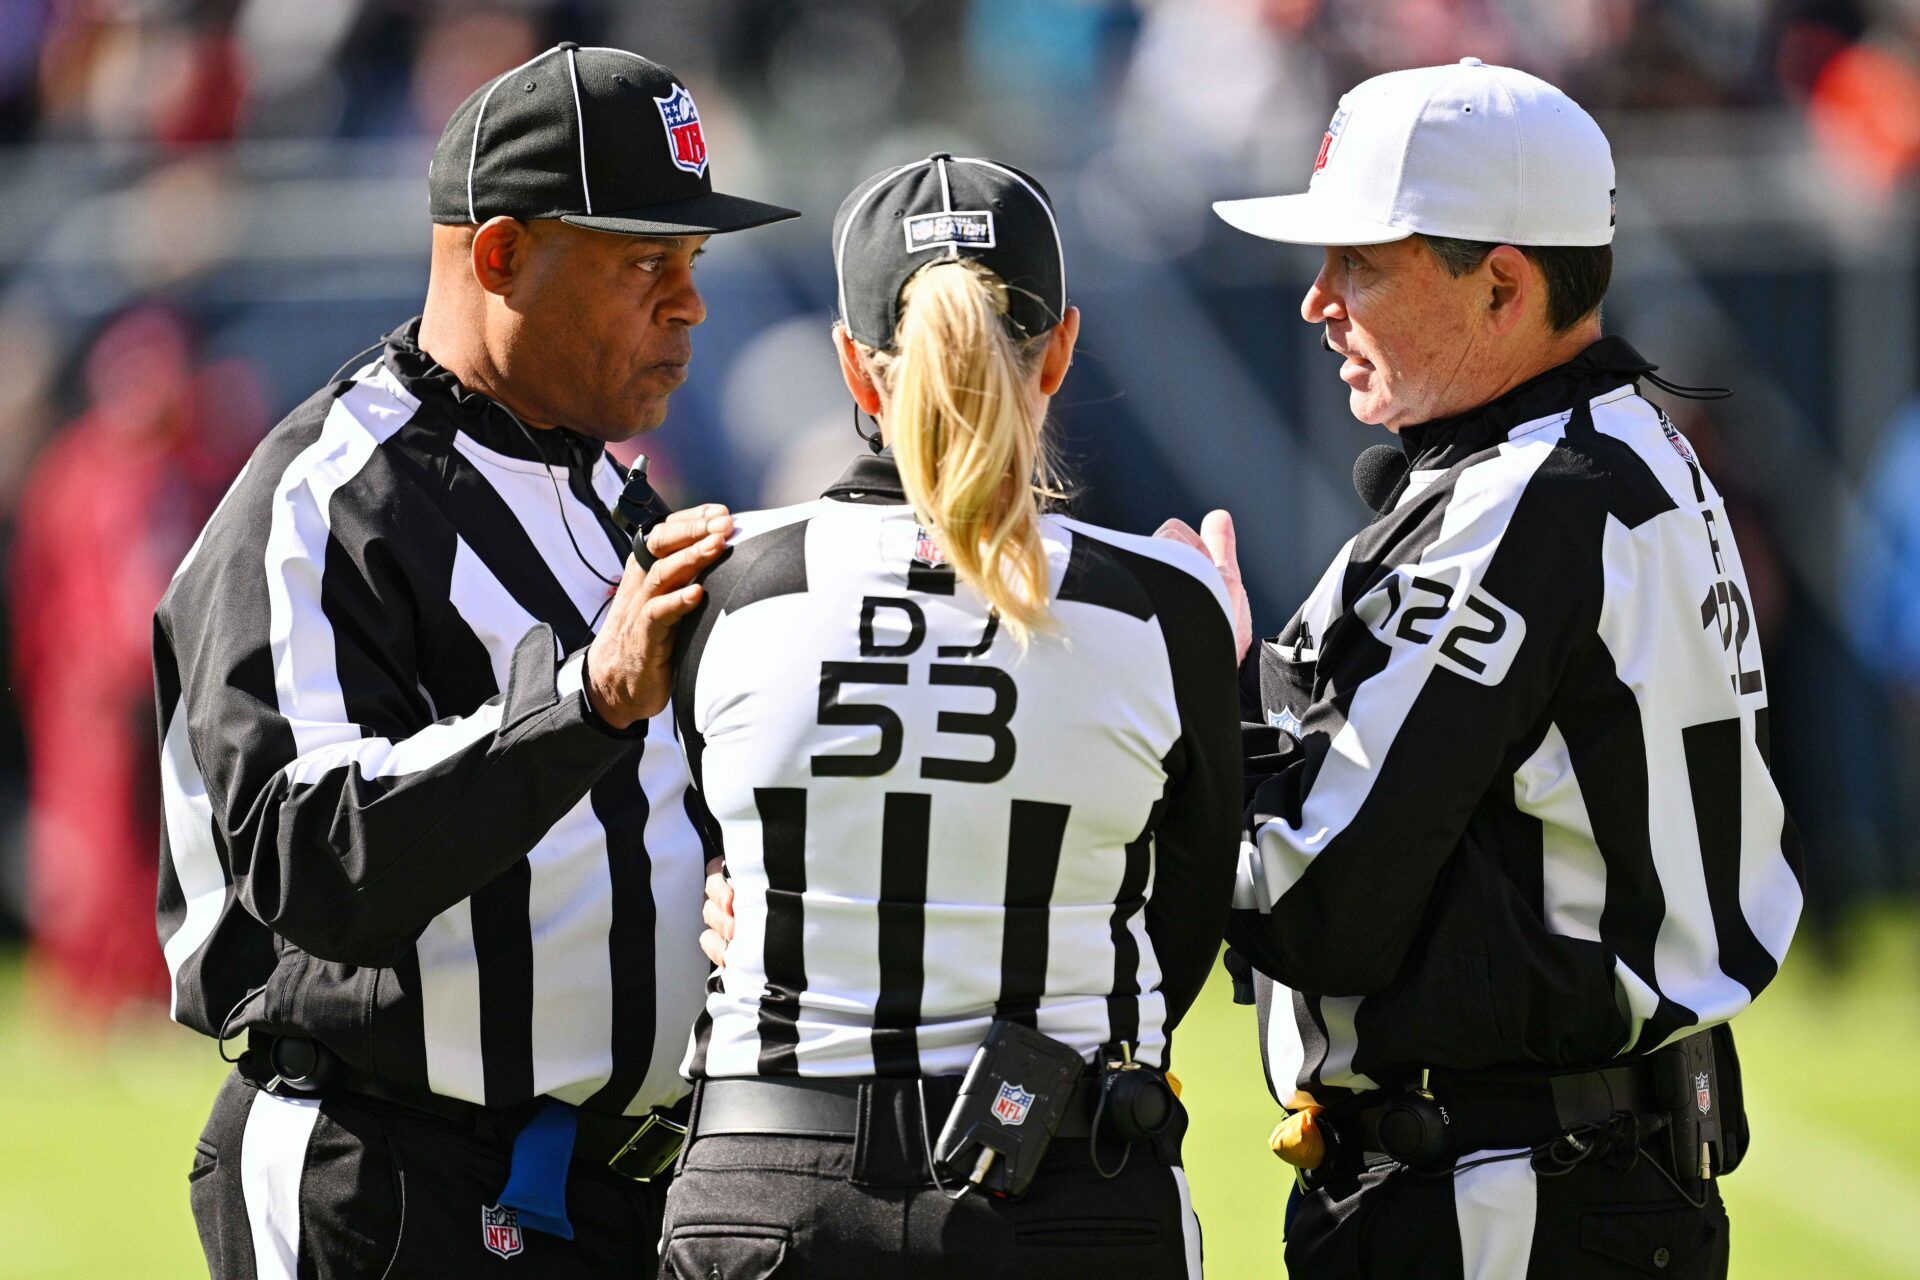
(560, 502)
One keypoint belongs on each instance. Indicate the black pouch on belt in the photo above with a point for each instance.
(1696, 1085)
(1010, 1103)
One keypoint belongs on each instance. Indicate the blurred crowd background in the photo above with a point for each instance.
(209, 208)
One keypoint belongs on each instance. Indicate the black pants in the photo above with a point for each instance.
(784, 1208)
(298, 1189)
(1504, 1221)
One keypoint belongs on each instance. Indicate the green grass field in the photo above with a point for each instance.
(96, 1134)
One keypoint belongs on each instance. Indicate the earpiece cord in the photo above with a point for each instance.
(1093, 1143)
(872, 438)
(559, 501)
(226, 1023)
(926, 1139)
(1584, 1144)
(1678, 1190)
(355, 356)
(1684, 391)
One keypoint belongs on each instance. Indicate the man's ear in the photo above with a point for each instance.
(1059, 353)
(1511, 287)
(860, 383)
(499, 253)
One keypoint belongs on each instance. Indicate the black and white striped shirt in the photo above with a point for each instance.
(391, 820)
(1532, 820)
(928, 829)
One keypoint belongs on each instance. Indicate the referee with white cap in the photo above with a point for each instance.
(1518, 858)
(425, 829)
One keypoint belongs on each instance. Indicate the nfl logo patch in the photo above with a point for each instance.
(1327, 142)
(685, 142)
(1674, 438)
(1012, 1104)
(500, 1230)
(1702, 1094)
(926, 552)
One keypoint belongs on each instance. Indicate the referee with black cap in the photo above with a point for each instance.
(426, 839)
(974, 767)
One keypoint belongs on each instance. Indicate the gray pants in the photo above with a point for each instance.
(748, 1208)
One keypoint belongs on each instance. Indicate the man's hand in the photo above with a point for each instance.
(629, 665)
(717, 911)
(1217, 542)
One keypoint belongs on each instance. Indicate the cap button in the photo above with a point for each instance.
(567, 44)
(1465, 62)
(941, 155)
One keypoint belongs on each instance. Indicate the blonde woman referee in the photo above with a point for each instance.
(974, 769)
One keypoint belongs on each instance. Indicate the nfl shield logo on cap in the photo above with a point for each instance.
(500, 1230)
(684, 140)
(1466, 151)
(1330, 140)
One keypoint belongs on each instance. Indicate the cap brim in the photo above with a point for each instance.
(709, 215)
(1304, 219)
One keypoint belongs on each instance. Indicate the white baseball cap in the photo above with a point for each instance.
(1465, 151)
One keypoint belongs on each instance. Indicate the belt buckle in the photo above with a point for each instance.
(652, 1149)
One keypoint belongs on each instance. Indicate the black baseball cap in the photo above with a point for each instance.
(942, 208)
(600, 138)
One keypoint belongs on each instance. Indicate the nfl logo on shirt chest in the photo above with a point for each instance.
(926, 551)
(685, 142)
(500, 1230)
(1010, 1107)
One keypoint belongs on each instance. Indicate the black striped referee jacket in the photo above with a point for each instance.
(929, 827)
(1529, 819)
(391, 820)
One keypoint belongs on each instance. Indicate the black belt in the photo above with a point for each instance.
(813, 1108)
(1488, 1111)
(637, 1147)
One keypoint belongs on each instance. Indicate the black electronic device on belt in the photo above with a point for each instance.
(1686, 1088)
(1010, 1103)
(639, 510)
(1414, 1126)
(301, 1064)
(1136, 1101)
(1136, 1104)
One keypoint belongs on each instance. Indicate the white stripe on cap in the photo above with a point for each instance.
(1059, 251)
(840, 250)
(946, 206)
(473, 152)
(573, 78)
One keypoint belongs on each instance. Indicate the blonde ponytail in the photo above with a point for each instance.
(967, 436)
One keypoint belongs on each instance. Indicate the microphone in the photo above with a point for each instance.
(1376, 472)
(639, 510)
